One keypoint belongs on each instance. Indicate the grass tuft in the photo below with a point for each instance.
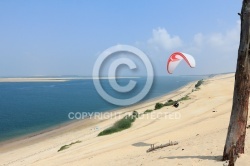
(184, 98)
(67, 146)
(169, 103)
(199, 83)
(120, 125)
(158, 106)
(147, 111)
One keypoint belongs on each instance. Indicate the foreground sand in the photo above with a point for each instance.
(199, 125)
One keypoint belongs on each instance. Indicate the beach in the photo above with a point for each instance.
(199, 125)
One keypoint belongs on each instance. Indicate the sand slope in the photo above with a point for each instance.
(200, 131)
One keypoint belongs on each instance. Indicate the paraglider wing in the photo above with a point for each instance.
(176, 58)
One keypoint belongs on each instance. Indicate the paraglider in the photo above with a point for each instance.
(176, 58)
(176, 104)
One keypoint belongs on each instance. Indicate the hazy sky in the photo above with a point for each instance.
(59, 37)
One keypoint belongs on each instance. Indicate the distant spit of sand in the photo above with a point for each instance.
(53, 79)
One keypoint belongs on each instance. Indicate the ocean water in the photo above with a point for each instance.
(27, 107)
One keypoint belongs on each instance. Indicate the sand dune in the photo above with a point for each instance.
(199, 125)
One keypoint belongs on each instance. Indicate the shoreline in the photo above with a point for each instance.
(44, 134)
(200, 133)
(52, 79)
(66, 126)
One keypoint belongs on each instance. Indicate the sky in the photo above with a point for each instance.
(65, 37)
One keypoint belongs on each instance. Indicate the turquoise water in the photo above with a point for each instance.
(29, 107)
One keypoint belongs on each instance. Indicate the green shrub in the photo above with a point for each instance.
(184, 98)
(125, 122)
(135, 114)
(199, 83)
(169, 102)
(63, 147)
(72, 143)
(147, 111)
(120, 125)
(67, 146)
(158, 106)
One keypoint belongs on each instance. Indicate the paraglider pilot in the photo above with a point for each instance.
(176, 104)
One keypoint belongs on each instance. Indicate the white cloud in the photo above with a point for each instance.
(198, 39)
(161, 39)
(217, 43)
(214, 52)
(218, 49)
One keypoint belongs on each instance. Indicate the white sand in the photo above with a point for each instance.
(201, 133)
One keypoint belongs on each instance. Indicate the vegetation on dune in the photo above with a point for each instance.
(169, 102)
(184, 98)
(67, 146)
(135, 114)
(126, 122)
(158, 106)
(147, 111)
(199, 83)
(120, 125)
